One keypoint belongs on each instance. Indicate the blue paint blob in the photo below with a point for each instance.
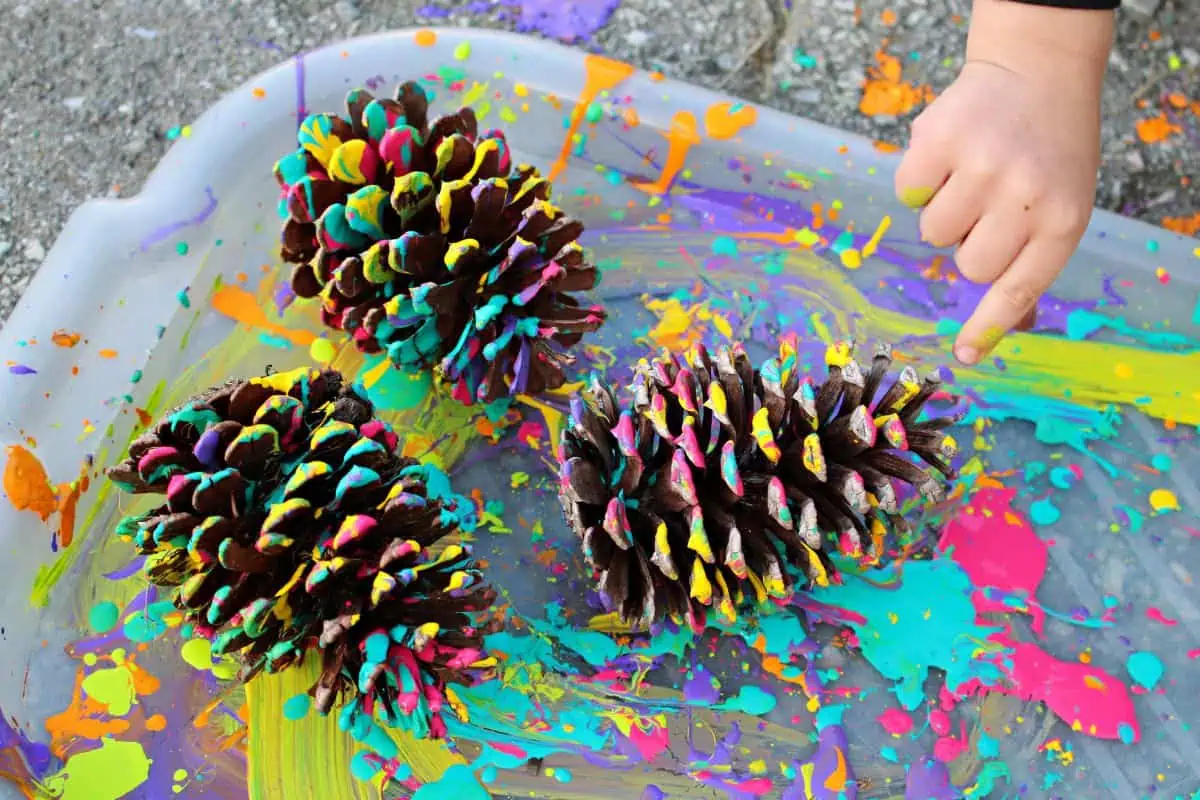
(988, 747)
(1145, 668)
(1062, 478)
(362, 767)
(1125, 731)
(296, 707)
(725, 246)
(1161, 462)
(1044, 512)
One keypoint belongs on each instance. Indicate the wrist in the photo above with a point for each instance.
(1040, 42)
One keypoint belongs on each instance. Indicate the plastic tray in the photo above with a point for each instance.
(710, 219)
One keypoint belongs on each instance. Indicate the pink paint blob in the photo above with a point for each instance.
(999, 549)
(1089, 699)
(940, 722)
(895, 721)
(1156, 614)
(650, 741)
(948, 748)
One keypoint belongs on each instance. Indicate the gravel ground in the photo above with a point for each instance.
(93, 85)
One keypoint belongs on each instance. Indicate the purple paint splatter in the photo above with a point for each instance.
(170, 230)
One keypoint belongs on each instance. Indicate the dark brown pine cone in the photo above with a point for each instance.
(423, 241)
(718, 477)
(291, 525)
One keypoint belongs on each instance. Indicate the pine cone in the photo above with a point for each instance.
(291, 524)
(423, 241)
(720, 475)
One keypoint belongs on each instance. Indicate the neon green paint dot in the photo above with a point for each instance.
(322, 351)
(462, 52)
(179, 775)
(176, 788)
(89, 659)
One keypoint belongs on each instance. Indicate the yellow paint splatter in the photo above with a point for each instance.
(1164, 500)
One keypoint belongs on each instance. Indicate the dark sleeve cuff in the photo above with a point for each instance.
(1093, 5)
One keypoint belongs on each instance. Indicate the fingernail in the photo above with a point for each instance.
(966, 354)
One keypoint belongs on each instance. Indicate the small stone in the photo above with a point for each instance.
(4, 248)
(73, 103)
(637, 38)
(1135, 161)
(346, 10)
(34, 250)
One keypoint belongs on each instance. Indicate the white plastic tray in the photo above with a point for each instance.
(135, 278)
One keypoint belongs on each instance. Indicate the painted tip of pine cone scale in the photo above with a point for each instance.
(424, 241)
(715, 481)
(292, 528)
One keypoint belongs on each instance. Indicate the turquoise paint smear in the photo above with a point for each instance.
(1056, 422)
(926, 620)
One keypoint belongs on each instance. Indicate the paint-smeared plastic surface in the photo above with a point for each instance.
(116, 274)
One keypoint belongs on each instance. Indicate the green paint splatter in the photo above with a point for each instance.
(109, 772)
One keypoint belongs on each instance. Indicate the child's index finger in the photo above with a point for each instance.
(1011, 298)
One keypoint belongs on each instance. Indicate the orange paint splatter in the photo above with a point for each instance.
(681, 137)
(1156, 129)
(886, 93)
(726, 120)
(64, 338)
(27, 485)
(107, 353)
(886, 147)
(1188, 226)
(601, 74)
(239, 304)
(258, 92)
(156, 723)
(84, 718)
(29, 489)
(68, 498)
(144, 417)
(888, 17)
(425, 38)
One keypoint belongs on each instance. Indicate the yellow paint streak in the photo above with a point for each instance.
(316, 754)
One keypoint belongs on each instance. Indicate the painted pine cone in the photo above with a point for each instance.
(716, 477)
(292, 526)
(423, 241)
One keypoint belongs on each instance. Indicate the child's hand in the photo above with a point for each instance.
(1004, 161)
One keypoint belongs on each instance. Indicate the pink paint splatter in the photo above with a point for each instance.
(895, 721)
(1156, 614)
(1089, 699)
(998, 549)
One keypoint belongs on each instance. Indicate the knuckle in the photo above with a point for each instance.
(1026, 186)
(1064, 218)
(974, 266)
(1020, 296)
